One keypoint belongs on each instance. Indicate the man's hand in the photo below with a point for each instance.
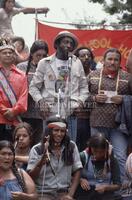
(17, 195)
(117, 99)
(101, 98)
(44, 108)
(84, 184)
(66, 197)
(9, 114)
(100, 189)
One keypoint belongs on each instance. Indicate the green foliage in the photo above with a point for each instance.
(121, 7)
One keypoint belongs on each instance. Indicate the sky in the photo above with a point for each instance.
(60, 11)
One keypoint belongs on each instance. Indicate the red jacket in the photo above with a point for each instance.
(18, 81)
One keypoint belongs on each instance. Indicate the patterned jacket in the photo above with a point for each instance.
(103, 114)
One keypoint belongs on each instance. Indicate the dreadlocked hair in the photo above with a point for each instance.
(68, 151)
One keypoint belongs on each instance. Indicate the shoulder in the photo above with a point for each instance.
(18, 71)
(84, 156)
(124, 75)
(36, 149)
(30, 185)
(44, 63)
(23, 66)
(95, 73)
(2, 10)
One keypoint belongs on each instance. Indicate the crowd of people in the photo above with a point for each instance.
(65, 125)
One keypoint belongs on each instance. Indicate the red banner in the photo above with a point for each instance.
(97, 40)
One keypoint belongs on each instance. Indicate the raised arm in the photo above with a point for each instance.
(44, 10)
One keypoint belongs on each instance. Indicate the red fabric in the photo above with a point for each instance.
(97, 40)
(18, 81)
(110, 73)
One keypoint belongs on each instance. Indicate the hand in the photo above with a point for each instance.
(84, 184)
(46, 10)
(46, 145)
(101, 98)
(66, 197)
(9, 114)
(17, 195)
(100, 188)
(79, 106)
(1, 181)
(117, 99)
(44, 108)
(43, 10)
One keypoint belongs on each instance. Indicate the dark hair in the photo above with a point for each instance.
(112, 50)
(69, 146)
(3, 3)
(21, 39)
(7, 144)
(92, 63)
(76, 52)
(27, 127)
(37, 45)
(98, 141)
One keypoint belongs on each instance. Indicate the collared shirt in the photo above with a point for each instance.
(61, 178)
(18, 82)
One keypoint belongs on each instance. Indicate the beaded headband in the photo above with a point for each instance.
(6, 44)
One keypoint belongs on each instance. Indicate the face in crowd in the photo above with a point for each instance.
(7, 56)
(6, 155)
(23, 138)
(38, 55)
(8, 5)
(85, 57)
(23, 135)
(112, 60)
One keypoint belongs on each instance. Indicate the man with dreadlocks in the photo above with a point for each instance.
(14, 184)
(55, 164)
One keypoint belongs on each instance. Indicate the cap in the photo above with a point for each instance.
(63, 34)
(6, 44)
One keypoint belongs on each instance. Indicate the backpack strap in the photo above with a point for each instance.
(84, 156)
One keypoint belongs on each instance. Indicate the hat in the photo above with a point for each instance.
(6, 44)
(63, 34)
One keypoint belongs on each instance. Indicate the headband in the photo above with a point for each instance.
(57, 125)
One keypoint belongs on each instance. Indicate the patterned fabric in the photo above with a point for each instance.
(8, 187)
(18, 82)
(103, 115)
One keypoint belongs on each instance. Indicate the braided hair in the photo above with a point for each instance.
(37, 45)
(19, 177)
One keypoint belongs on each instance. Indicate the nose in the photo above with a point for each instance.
(86, 57)
(20, 138)
(112, 61)
(59, 132)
